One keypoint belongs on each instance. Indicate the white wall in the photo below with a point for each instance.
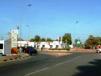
(53, 44)
(31, 44)
(2, 50)
(41, 44)
(24, 43)
(46, 45)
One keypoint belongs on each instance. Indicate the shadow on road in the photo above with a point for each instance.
(90, 70)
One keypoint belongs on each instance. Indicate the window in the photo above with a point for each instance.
(57, 46)
(1, 46)
(43, 46)
(51, 46)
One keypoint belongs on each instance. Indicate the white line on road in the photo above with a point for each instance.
(37, 71)
(46, 68)
(66, 61)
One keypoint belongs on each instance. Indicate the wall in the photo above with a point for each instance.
(2, 50)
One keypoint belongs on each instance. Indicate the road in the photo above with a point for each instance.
(44, 65)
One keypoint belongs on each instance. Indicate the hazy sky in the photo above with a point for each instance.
(51, 18)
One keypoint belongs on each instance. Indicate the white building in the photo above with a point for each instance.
(40, 45)
(25, 43)
(2, 46)
(11, 41)
(56, 44)
(44, 45)
(47, 45)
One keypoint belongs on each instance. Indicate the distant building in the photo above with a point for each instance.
(2, 46)
(54, 44)
(7, 46)
(43, 45)
(48, 45)
(25, 43)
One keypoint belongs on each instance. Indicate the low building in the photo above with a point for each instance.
(2, 46)
(11, 42)
(45, 45)
(7, 46)
(25, 43)
(48, 45)
(56, 44)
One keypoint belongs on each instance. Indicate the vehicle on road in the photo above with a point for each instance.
(31, 50)
(98, 49)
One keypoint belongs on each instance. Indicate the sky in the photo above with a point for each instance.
(51, 18)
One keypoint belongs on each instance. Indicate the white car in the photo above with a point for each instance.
(98, 50)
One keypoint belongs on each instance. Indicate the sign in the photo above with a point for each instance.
(14, 36)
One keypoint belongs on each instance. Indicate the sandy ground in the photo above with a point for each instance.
(13, 57)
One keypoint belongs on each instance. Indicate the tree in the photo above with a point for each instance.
(32, 39)
(78, 43)
(20, 39)
(89, 42)
(49, 39)
(67, 38)
(98, 40)
(37, 38)
(92, 41)
(43, 39)
(60, 38)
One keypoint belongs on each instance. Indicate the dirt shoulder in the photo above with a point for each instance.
(13, 57)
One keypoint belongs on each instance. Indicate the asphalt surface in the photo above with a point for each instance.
(44, 65)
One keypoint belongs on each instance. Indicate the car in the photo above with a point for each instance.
(32, 50)
(98, 50)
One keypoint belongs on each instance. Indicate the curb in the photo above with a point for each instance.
(13, 57)
(56, 54)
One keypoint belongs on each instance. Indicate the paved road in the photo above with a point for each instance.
(44, 65)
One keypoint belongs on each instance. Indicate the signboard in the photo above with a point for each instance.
(14, 36)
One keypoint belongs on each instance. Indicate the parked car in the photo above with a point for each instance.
(31, 50)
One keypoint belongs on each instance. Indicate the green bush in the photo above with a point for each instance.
(59, 49)
(68, 48)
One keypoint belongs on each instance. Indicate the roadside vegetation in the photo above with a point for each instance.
(90, 43)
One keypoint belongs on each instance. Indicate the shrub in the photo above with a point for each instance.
(59, 49)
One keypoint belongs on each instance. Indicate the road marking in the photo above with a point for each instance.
(46, 68)
(37, 71)
(66, 61)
